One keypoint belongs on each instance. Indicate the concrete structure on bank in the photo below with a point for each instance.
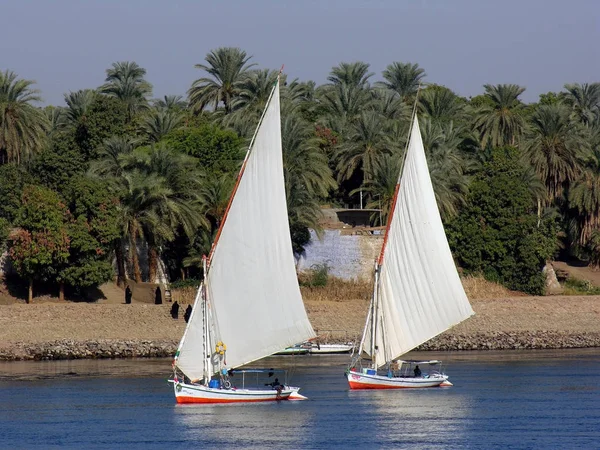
(347, 245)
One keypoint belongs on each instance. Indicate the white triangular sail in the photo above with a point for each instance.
(419, 293)
(252, 285)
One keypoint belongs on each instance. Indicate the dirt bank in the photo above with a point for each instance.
(67, 330)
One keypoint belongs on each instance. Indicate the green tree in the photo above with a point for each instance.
(228, 68)
(554, 146)
(499, 119)
(584, 101)
(440, 104)
(125, 81)
(403, 79)
(497, 232)
(93, 230)
(366, 142)
(158, 123)
(13, 180)
(40, 244)
(215, 149)
(105, 117)
(22, 125)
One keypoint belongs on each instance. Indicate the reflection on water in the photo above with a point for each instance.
(499, 400)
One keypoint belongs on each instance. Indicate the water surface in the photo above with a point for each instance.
(534, 399)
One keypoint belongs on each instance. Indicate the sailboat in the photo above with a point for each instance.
(417, 293)
(249, 305)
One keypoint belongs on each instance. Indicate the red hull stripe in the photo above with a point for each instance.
(354, 385)
(220, 400)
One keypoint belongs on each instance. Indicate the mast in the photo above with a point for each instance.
(206, 351)
(397, 189)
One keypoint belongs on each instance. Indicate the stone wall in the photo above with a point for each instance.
(348, 256)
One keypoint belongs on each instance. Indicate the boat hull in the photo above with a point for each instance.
(358, 380)
(324, 349)
(188, 393)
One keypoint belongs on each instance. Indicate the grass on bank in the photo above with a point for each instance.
(574, 286)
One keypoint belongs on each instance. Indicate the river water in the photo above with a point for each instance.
(521, 400)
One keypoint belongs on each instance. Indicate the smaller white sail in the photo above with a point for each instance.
(419, 293)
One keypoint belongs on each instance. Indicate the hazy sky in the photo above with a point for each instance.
(68, 44)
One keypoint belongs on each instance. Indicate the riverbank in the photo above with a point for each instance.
(79, 330)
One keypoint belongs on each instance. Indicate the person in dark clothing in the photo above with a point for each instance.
(175, 310)
(128, 295)
(158, 296)
(187, 313)
(274, 384)
(417, 372)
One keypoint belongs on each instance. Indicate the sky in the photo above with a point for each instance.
(66, 45)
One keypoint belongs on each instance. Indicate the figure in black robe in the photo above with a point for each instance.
(158, 296)
(175, 311)
(188, 313)
(128, 295)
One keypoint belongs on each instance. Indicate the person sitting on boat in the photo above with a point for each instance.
(274, 384)
(417, 371)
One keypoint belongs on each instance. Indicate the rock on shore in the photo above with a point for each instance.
(74, 331)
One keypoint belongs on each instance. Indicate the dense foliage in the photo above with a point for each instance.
(115, 175)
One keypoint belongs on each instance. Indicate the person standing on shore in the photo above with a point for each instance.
(128, 295)
(158, 296)
(187, 313)
(175, 311)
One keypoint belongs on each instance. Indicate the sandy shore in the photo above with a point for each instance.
(79, 330)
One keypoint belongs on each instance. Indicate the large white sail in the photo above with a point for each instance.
(419, 293)
(252, 284)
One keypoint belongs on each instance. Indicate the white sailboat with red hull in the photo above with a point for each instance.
(249, 305)
(417, 292)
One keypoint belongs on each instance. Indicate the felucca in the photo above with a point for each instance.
(249, 305)
(417, 293)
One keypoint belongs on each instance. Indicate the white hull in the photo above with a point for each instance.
(192, 393)
(293, 351)
(358, 380)
(331, 348)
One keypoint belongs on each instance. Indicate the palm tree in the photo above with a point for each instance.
(554, 148)
(55, 115)
(214, 194)
(125, 81)
(111, 157)
(584, 197)
(158, 123)
(403, 79)
(304, 163)
(110, 164)
(346, 96)
(500, 122)
(440, 104)
(366, 142)
(447, 164)
(170, 102)
(228, 67)
(177, 207)
(382, 186)
(22, 126)
(584, 100)
(354, 74)
(78, 106)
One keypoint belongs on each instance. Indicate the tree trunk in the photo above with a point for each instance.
(30, 293)
(152, 263)
(61, 291)
(121, 278)
(182, 271)
(135, 262)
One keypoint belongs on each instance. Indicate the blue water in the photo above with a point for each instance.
(499, 400)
